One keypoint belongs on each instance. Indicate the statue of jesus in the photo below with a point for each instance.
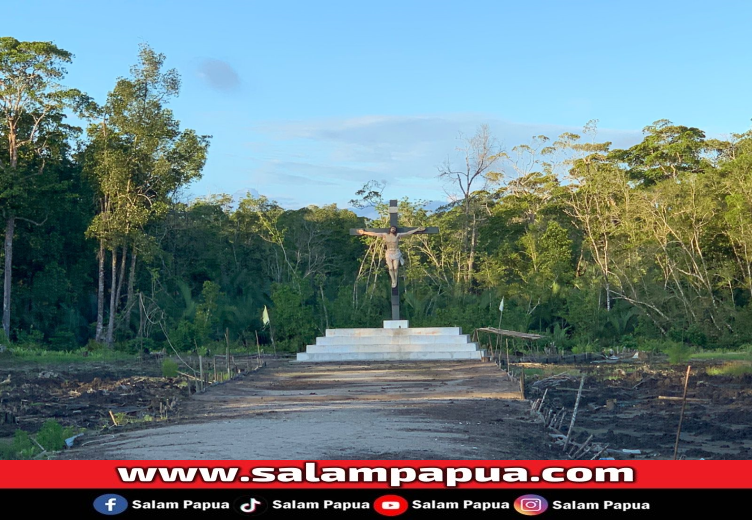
(393, 254)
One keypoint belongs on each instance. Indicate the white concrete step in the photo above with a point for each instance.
(395, 341)
(418, 331)
(385, 347)
(389, 356)
(412, 339)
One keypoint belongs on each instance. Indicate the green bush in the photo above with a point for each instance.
(585, 347)
(676, 352)
(31, 339)
(169, 368)
(52, 435)
(137, 345)
(63, 340)
(7, 452)
(22, 446)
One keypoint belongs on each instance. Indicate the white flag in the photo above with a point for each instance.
(501, 305)
(265, 316)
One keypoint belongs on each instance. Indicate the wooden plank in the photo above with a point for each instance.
(688, 399)
(432, 230)
(510, 333)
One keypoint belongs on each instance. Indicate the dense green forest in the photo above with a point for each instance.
(593, 247)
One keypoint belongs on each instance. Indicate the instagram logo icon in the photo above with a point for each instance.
(530, 504)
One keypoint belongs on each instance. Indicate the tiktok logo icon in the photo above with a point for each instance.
(250, 506)
(110, 504)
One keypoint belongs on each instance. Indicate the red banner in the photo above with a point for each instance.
(370, 474)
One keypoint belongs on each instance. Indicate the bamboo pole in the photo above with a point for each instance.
(574, 412)
(681, 416)
(201, 371)
(258, 351)
(604, 448)
(582, 448)
(542, 400)
(227, 343)
(506, 340)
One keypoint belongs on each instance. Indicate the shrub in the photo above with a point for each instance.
(22, 446)
(169, 368)
(52, 436)
(676, 352)
(585, 347)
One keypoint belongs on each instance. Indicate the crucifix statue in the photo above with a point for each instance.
(391, 237)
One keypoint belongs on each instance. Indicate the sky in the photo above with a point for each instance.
(308, 101)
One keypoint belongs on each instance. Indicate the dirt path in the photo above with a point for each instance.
(349, 411)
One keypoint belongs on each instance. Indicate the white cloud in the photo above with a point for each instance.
(326, 161)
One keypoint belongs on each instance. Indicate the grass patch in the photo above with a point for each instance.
(724, 356)
(24, 446)
(733, 369)
(53, 357)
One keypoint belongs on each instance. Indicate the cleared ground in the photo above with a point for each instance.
(385, 410)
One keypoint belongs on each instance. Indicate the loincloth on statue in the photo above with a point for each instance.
(395, 255)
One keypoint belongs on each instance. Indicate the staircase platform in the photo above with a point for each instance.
(394, 342)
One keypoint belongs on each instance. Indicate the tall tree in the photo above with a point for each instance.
(666, 152)
(479, 154)
(139, 158)
(30, 98)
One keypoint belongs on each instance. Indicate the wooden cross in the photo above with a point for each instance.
(394, 222)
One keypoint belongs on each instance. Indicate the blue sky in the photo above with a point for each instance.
(308, 101)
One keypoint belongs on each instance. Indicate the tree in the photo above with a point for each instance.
(666, 152)
(139, 159)
(480, 152)
(30, 99)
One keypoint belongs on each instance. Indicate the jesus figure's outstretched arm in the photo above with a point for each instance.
(416, 230)
(370, 233)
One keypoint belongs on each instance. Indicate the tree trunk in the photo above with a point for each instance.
(121, 277)
(99, 337)
(129, 301)
(323, 304)
(113, 291)
(471, 252)
(10, 225)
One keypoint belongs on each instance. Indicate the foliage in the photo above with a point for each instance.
(730, 369)
(22, 446)
(52, 435)
(169, 368)
(292, 320)
(593, 247)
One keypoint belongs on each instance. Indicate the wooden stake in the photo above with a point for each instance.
(582, 448)
(506, 340)
(227, 342)
(522, 383)
(542, 399)
(112, 416)
(574, 412)
(681, 416)
(201, 371)
(599, 453)
(271, 335)
(258, 351)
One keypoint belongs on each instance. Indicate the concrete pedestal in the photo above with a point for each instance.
(395, 341)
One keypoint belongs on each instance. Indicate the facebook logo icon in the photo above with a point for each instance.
(110, 504)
